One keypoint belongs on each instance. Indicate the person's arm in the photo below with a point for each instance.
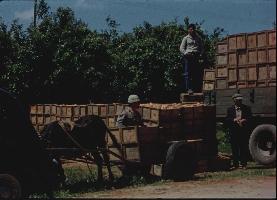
(120, 122)
(183, 46)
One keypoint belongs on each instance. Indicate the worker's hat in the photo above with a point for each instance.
(237, 96)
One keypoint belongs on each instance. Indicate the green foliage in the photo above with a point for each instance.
(62, 61)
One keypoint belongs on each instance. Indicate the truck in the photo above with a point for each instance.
(246, 64)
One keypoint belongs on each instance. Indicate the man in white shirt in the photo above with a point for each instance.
(191, 48)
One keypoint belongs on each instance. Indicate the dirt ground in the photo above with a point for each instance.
(261, 187)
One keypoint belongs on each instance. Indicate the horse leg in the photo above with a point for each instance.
(99, 162)
(107, 161)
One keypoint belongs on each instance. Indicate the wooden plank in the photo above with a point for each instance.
(116, 151)
(221, 72)
(252, 56)
(117, 134)
(232, 58)
(242, 84)
(271, 52)
(251, 40)
(232, 85)
(242, 57)
(261, 39)
(272, 83)
(261, 83)
(111, 122)
(251, 84)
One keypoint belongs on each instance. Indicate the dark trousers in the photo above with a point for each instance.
(239, 145)
(193, 73)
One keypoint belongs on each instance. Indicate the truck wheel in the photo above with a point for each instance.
(262, 144)
(180, 162)
(9, 187)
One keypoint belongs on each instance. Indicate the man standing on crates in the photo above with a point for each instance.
(191, 49)
(130, 115)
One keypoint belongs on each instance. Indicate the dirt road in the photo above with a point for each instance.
(258, 187)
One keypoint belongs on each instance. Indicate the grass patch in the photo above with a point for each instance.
(223, 139)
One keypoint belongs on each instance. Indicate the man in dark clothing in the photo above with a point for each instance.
(238, 121)
(191, 49)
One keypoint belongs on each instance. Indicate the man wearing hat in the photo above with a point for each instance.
(238, 121)
(130, 115)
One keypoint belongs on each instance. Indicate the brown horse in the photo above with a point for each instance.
(88, 132)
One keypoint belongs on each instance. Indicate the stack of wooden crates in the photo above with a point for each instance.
(244, 61)
(164, 122)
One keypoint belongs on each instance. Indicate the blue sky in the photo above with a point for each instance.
(235, 16)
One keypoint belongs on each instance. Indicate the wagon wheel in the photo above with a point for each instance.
(180, 162)
(9, 187)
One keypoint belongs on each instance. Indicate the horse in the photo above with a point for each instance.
(88, 132)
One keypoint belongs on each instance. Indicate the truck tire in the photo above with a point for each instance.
(9, 187)
(262, 144)
(180, 163)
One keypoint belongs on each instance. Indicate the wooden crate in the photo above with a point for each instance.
(272, 71)
(222, 59)
(119, 108)
(89, 109)
(53, 118)
(232, 43)
(221, 83)
(159, 115)
(68, 111)
(252, 73)
(76, 111)
(232, 85)
(146, 113)
(111, 121)
(47, 119)
(40, 128)
(252, 56)
(53, 109)
(47, 109)
(131, 152)
(103, 110)
(242, 57)
(209, 74)
(251, 40)
(271, 52)
(262, 72)
(262, 55)
(262, 39)
(63, 110)
(95, 110)
(40, 119)
(232, 74)
(130, 135)
(222, 47)
(40, 108)
(208, 85)
(241, 41)
(242, 73)
(116, 151)
(111, 110)
(33, 118)
(83, 110)
(232, 59)
(66, 119)
(272, 38)
(33, 109)
(221, 72)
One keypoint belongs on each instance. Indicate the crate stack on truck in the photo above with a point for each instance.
(245, 60)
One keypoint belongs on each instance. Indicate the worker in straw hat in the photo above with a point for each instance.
(238, 121)
(130, 115)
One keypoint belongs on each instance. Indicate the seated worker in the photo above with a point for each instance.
(130, 115)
